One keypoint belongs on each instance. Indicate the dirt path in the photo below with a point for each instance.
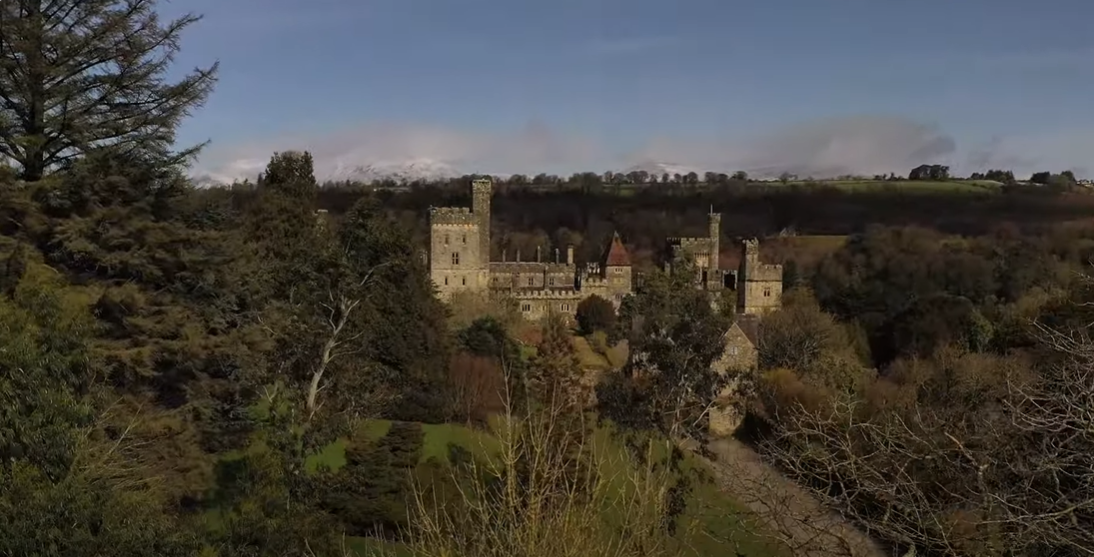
(789, 512)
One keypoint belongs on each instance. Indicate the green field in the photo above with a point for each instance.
(908, 186)
(711, 525)
(860, 186)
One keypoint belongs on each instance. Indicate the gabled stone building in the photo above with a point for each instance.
(741, 354)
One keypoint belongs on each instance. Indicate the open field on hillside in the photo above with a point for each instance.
(908, 186)
(852, 186)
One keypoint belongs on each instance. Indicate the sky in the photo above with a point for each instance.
(505, 86)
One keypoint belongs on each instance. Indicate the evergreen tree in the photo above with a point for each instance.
(83, 74)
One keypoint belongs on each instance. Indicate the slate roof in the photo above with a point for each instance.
(750, 326)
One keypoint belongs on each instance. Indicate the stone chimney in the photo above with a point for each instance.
(556, 255)
(570, 255)
(537, 255)
(518, 256)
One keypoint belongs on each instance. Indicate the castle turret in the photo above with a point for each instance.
(481, 192)
(714, 277)
(759, 285)
(617, 270)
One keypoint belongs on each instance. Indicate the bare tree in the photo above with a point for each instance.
(1052, 504)
(958, 470)
(339, 340)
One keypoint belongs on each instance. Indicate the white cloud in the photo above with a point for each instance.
(845, 145)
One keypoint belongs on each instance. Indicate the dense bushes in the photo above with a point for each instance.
(595, 314)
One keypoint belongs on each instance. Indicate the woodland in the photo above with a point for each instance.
(230, 371)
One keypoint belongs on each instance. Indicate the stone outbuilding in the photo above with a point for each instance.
(741, 355)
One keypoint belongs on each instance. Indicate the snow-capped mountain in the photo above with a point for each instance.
(399, 171)
(659, 168)
(352, 171)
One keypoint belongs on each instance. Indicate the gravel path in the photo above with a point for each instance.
(789, 512)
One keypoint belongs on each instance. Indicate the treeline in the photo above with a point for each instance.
(585, 180)
(524, 219)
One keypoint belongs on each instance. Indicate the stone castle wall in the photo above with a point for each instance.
(459, 260)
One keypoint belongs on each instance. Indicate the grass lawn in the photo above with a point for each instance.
(435, 443)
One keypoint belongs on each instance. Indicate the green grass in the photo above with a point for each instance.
(435, 442)
(904, 186)
(909, 186)
(587, 357)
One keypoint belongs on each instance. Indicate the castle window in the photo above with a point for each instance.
(551, 281)
(733, 350)
(464, 281)
(526, 307)
(767, 292)
(455, 258)
(465, 238)
(446, 281)
(446, 239)
(565, 307)
(531, 281)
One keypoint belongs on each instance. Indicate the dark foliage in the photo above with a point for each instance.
(595, 314)
(370, 495)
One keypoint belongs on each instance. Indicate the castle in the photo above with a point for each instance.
(459, 261)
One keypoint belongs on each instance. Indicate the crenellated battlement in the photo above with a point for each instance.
(451, 216)
(766, 272)
(594, 282)
(554, 294)
(691, 244)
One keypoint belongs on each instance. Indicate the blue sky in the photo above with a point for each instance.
(560, 85)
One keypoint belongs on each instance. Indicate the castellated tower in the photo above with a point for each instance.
(759, 285)
(481, 192)
(618, 277)
(459, 250)
(714, 278)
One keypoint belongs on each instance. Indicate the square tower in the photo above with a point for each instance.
(759, 285)
(482, 190)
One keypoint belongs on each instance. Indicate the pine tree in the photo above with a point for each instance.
(76, 75)
(555, 376)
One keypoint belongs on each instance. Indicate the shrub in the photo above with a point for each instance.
(595, 314)
(370, 493)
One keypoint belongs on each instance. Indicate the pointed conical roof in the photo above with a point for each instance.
(617, 255)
